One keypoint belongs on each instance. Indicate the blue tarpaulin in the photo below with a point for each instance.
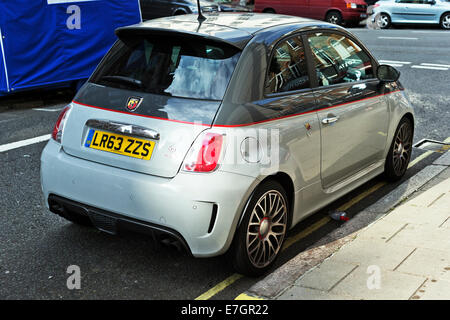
(50, 42)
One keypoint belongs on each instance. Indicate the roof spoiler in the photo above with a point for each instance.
(140, 30)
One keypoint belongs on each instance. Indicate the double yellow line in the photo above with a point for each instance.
(306, 232)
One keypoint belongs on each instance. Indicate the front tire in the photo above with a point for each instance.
(399, 155)
(445, 21)
(259, 237)
(334, 17)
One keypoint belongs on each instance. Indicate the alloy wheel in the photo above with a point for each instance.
(266, 228)
(333, 18)
(446, 21)
(383, 21)
(402, 148)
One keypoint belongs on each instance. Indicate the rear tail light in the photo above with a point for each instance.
(59, 125)
(205, 153)
(376, 5)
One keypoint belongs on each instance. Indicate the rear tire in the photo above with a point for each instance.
(400, 151)
(260, 235)
(334, 17)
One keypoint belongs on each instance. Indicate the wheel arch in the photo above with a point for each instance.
(442, 15)
(179, 11)
(269, 10)
(287, 183)
(333, 10)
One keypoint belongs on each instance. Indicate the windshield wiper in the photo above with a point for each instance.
(124, 80)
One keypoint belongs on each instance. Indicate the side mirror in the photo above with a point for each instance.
(387, 73)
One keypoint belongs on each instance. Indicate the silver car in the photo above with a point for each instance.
(388, 12)
(225, 133)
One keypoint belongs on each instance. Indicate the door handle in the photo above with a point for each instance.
(330, 120)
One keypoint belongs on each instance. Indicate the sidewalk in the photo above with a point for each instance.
(403, 255)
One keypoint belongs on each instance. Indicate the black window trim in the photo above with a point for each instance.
(351, 37)
(313, 81)
(272, 52)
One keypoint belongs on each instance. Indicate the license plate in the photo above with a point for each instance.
(363, 15)
(120, 144)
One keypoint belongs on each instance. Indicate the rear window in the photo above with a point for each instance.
(188, 68)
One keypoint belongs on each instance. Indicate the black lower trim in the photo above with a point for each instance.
(112, 222)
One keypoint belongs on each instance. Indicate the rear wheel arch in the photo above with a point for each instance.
(179, 11)
(287, 183)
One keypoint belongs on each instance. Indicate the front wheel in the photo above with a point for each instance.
(334, 17)
(445, 21)
(261, 233)
(399, 155)
(384, 21)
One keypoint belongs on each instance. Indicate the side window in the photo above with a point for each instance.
(287, 69)
(338, 59)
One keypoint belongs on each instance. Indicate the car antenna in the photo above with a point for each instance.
(201, 17)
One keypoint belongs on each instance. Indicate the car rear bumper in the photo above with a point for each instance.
(199, 210)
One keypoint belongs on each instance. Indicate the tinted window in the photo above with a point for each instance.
(170, 66)
(287, 69)
(338, 59)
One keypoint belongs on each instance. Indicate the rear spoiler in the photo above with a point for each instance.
(239, 40)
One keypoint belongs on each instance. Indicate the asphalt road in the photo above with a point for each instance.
(37, 247)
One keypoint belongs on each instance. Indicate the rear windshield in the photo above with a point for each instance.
(169, 66)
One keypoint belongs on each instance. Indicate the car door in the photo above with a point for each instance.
(319, 8)
(295, 7)
(288, 96)
(422, 11)
(352, 111)
(417, 11)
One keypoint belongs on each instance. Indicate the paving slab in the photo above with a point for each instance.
(410, 214)
(391, 285)
(367, 252)
(404, 190)
(301, 293)
(433, 290)
(421, 236)
(434, 264)
(327, 275)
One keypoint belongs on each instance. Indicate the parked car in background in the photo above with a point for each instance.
(388, 12)
(333, 11)
(163, 8)
(232, 5)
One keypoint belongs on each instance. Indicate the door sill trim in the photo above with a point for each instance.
(354, 177)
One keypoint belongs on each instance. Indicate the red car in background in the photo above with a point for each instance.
(333, 11)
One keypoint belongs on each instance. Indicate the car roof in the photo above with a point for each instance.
(234, 28)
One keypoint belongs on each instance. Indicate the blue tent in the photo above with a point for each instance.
(45, 43)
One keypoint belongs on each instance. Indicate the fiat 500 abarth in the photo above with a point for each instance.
(223, 134)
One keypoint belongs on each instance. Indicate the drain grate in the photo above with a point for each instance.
(432, 145)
